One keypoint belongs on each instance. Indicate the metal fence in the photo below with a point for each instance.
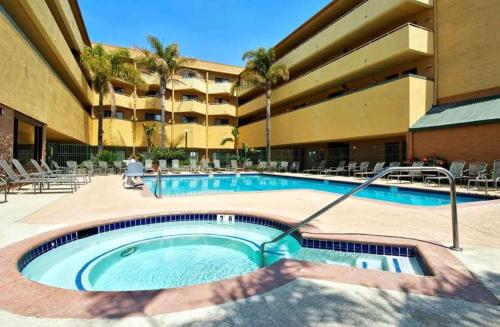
(61, 153)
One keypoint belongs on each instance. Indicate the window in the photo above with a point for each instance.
(118, 114)
(221, 101)
(335, 94)
(221, 80)
(151, 93)
(118, 89)
(152, 117)
(189, 97)
(413, 71)
(188, 119)
(188, 74)
(221, 121)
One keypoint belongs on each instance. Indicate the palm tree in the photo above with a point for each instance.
(262, 71)
(104, 67)
(162, 61)
(236, 134)
(150, 131)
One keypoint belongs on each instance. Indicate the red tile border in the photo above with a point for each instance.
(19, 295)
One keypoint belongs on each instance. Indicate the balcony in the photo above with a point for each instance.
(150, 102)
(189, 84)
(406, 43)
(190, 106)
(216, 134)
(220, 88)
(222, 109)
(121, 100)
(387, 109)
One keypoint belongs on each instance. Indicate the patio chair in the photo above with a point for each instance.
(283, 166)
(12, 178)
(456, 169)
(476, 169)
(340, 169)
(295, 166)
(316, 169)
(148, 166)
(248, 164)
(41, 179)
(205, 165)
(118, 166)
(410, 175)
(392, 164)
(162, 165)
(175, 166)
(89, 167)
(379, 166)
(493, 178)
(193, 165)
(4, 185)
(234, 165)
(133, 175)
(351, 168)
(103, 167)
(49, 173)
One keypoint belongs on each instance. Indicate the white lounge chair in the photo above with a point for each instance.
(148, 166)
(175, 166)
(456, 170)
(410, 175)
(193, 165)
(339, 169)
(133, 175)
(162, 165)
(317, 169)
(379, 166)
(205, 165)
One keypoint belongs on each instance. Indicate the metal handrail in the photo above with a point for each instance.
(157, 191)
(453, 204)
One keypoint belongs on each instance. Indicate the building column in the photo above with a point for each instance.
(6, 133)
(409, 145)
(206, 115)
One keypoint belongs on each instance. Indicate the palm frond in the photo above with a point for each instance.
(277, 73)
(226, 140)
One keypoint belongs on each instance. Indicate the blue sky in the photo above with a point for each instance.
(214, 30)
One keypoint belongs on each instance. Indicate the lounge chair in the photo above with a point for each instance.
(35, 179)
(295, 166)
(217, 166)
(273, 165)
(148, 166)
(162, 165)
(340, 169)
(12, 178)
(133, 175)
(59, 168)
(103, 167)
(351, 168)
(493, 178)
(49, 173)
(248, 164)
(193, 165)
(5, 187)
(317, 169)
(234, 165)
(118, 166)
(456, 169)
(175, 166)
(363, 167)
(392, 164)
(205, 165)
(410, 175)
(72, 166)
(262, 165)
(283, 166)
(476, 170)
(379, 166)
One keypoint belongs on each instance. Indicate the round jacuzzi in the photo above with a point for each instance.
(181, 250)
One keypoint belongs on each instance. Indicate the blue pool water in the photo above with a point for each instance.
(185, 185)
(177, 254)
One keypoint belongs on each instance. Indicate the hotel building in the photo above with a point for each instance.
(369, 80)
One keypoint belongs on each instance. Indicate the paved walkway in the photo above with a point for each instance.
(301, 302)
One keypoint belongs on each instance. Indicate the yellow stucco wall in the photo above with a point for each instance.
(30, 86)
(468, 42)
(384, 110)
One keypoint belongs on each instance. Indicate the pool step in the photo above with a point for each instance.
(368, 263)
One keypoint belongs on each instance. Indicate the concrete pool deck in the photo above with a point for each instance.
(479, 226)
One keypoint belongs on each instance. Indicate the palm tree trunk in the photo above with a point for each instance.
(100, 131)
(268, 125)
(162, 106)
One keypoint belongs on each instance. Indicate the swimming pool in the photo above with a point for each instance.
(182, 250)
(186, 185)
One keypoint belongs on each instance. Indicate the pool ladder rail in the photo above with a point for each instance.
(453, 204)
(157, 191)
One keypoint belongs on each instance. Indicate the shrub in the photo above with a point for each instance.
(107, 156)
